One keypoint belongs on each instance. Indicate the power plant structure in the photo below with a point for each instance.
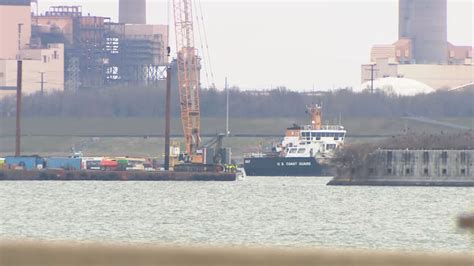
(96, 52)
(422, 52)
(424, 22)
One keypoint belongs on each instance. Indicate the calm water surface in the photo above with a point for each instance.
(284, 212)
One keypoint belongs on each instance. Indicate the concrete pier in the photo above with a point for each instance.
(63, 175)
(410, 168)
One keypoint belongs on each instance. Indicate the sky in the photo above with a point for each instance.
(302, 45)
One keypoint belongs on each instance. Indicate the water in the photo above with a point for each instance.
(283, 212)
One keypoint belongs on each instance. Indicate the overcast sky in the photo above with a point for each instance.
(298, 44)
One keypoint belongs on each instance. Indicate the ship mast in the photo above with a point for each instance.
(316, 116)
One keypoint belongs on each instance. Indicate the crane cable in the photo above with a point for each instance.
(206, 44)
(168, 48)
(198, 25)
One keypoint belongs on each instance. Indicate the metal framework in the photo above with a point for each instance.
(64, 11)
(99, 52)
(188, 74)
(136, 74)
(132, 59)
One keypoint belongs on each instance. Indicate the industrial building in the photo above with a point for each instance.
(64, 49)
(43, 71)
(40, 62)
(100, 52)
(422, 52)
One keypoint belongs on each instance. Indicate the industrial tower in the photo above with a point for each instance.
(424, 22)
(132, 11)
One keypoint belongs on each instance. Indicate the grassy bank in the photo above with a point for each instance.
(118, 146)
(143, 136)
(210, 126)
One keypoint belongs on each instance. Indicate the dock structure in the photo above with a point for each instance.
(395, 167)
(64, 175)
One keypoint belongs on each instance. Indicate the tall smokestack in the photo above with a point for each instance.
(132, 11)
(425, 23)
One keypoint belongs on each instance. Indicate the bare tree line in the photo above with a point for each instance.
(280, 102)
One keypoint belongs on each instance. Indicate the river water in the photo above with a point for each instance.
(282, 212)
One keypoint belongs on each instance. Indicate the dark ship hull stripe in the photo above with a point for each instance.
(281, 166)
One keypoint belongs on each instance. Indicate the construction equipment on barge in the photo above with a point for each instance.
(197, 157)
(188, 75)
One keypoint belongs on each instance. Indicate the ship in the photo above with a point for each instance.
(305, 150)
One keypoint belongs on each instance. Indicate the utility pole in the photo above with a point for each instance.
(372, 70)
(168, 116)
(227, 132)
(19, 77)
(42, 82)
(18, 108)
(372, 77)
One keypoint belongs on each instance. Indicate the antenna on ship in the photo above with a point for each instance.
(227, 131)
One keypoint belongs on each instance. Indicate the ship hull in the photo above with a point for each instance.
(281, 166)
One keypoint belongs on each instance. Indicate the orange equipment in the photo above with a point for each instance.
(316, 116)
(188, 74)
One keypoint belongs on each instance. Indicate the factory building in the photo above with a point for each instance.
(422, 52)
(138, 53)
(43, 71)
(99, 52)
(43, 65)
(71, 50)
(84, 41)
(15, 27)
(154, 37)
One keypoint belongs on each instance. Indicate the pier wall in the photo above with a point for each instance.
(411, 167)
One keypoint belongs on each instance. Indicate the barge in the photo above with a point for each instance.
(87, 175)
(37, 168)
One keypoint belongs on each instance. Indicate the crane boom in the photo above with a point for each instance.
(188, 74)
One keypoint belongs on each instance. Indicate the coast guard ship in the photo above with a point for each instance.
(304, 151)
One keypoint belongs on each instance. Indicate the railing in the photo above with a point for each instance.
(324, 127)
(30, 253)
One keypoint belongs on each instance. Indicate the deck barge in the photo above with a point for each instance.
(64, 175)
